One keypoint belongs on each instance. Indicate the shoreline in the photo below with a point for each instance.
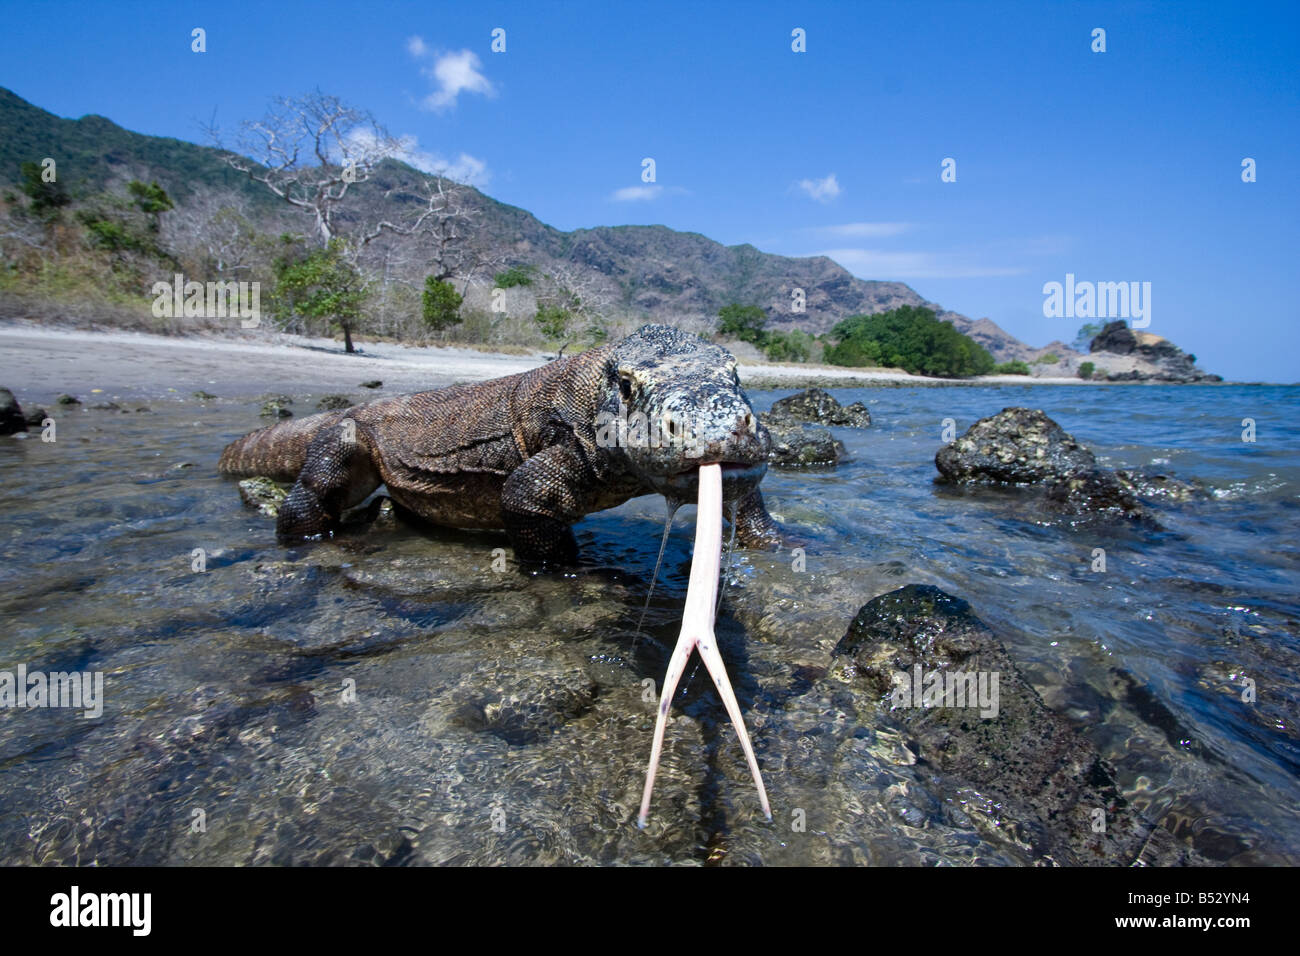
(42, 361)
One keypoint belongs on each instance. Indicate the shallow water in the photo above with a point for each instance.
(389, 697)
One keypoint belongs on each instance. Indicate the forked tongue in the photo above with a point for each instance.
(697, 632)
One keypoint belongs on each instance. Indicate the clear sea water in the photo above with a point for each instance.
(388, 697)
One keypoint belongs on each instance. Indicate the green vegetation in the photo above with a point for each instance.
(322, 285)
(793, 346)
(47, 197)
(514, 276)
(1014, 367)
(441, 304)
(553, 321)
(1086, 369)
(1087, 332)
(744, 322)
(151, 199)
(90, 151)
(910, 338)
(1051, 358)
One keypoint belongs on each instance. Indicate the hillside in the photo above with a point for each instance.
(650, 272)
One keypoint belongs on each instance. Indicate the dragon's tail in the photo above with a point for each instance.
(277, 451)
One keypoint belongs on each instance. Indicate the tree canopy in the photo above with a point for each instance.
(911, 338)
(744, 322)
(323, 284)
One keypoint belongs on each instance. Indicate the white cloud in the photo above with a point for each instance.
(463, 169)
(452, 73)
(863, 230)
(636, 193)
(875, 264)
(822, 190)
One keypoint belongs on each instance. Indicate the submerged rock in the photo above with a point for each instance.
(263, 494)
(373, 383)
(11, 414)
(923, 660)
(330, 403)
(275, 410)
(820, 408)
(66, 399)
(524, 700)
(1155, 485)
(799, 446)
(37, 416)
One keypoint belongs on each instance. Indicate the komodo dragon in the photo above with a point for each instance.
(531, 453)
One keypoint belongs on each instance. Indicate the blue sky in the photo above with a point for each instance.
(1115, 166)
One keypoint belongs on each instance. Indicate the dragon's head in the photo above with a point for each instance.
(674, 402)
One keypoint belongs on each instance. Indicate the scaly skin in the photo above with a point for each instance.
(531, 453)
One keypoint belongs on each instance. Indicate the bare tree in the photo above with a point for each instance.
(309, 151)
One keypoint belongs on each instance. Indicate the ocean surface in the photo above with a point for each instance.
(393, 697)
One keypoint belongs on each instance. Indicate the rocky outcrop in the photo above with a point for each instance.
(1016, 446)
(1023, 447)
(1127, 355)
(817, 407)
(932, 668)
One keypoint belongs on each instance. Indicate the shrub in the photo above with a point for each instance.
(553, 321)
(911, 338)
(440, 304)
(794, 346)
(744, 322)
(1086, 369)
(515, 275)
(1014, 367)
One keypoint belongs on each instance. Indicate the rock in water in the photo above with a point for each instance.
(1016, 446)
(1022, 446)
(795, 446)
(817, 407)
(263, 494)
(1018, 768)
(331, 403)
(11, 414)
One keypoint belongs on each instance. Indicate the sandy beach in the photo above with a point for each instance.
(41, 362)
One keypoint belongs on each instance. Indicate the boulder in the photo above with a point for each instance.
(818, 407)
(1016, 446)
(801, 446)
(12, 419)
(1022, 446)
(1018, 769)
